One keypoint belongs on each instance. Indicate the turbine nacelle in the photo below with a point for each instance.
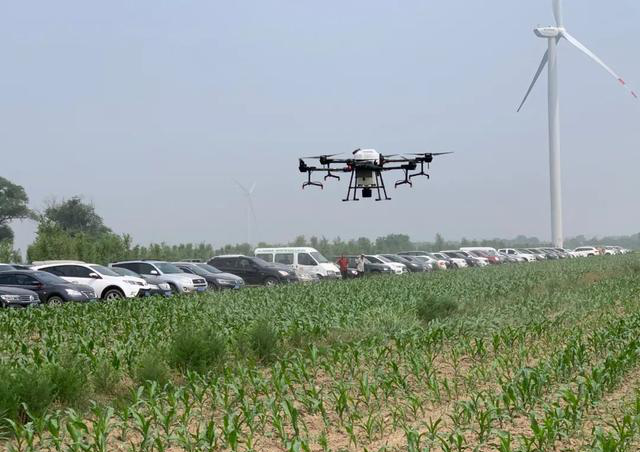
(548, 32)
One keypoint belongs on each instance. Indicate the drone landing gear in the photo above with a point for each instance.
(421, 172)
(380, 185)
(367, 191)
(406, 180)
(331, 175)
(311, 183)
(351, 186)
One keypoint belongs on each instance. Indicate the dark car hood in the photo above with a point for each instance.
(226, 275)
(4, 290)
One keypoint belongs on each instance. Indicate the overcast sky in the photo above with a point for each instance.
(151, 109)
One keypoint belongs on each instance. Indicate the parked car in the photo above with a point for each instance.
(17, 298)
(161, 271)
(149, 289)
(216, 279)
(306, 258)
(51, 290)
(586, 251)
(538, 254)
(488, 252)
(107, 284)
(410, 263)
(253, 270)
(548, 255)
(457, 262)
(474, 261)
(428, 257)
(369, 266)
(529, 257)
(397, 268)
(11, 267)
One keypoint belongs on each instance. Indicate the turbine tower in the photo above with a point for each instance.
(553, 35)
(250, 211)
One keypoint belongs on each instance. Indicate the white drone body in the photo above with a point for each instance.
(365, 177)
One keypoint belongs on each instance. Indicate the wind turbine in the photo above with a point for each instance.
(550, 58)
(250, 211)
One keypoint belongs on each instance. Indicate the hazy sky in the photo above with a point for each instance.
(150, 109)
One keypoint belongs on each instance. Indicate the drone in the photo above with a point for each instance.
(366, 168)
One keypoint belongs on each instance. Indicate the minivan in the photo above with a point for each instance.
(305, 258)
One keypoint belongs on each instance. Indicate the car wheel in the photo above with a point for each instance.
(174, 288)
(113, 294)
(55, 301)
(213, 287)
(270, 281)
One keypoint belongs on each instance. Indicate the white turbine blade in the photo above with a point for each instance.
(557, 12)
(253, 187)
(244, 189)
(595, 58)
(543, 63)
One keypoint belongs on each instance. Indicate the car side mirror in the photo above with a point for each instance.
(153, 272)
(94, 275)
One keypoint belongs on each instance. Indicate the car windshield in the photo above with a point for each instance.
(384, 259)
(46, 277)
(523, 251)
(105, 271)
(478, 253)
(168, 268)
(125, 271)
(319, 258)
(190, 268)
(209, 268)
(374, 259)
(4, 267)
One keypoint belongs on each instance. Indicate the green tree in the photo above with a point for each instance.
(74, 216)
(13, 206)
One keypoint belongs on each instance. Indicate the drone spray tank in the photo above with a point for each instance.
(366, 177)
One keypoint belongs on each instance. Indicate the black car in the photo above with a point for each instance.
(17, 297)
(216, 279)
(154, 289)
(412, 265)
(254, 271)
(49, 288)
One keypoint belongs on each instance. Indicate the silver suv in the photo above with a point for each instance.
(163, 272)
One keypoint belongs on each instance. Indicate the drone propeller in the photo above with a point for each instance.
(430, 154)
(323, 156)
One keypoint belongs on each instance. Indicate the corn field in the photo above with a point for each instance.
(538, 357)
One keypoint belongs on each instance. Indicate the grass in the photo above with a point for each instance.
(435, 307)
(199, 350)
(480, 359)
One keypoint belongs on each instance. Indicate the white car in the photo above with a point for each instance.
(586, 251)
(107, 284)
(480, 262)
(397, 268)
(427, 258)
(459, 263)
(529, 257)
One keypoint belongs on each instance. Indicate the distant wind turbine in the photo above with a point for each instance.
(554, 35)
(250, 211)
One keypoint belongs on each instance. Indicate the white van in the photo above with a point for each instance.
(305, 258)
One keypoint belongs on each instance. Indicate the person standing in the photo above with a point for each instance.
(343, 263)
(360, 265)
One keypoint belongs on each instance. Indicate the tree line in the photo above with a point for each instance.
(72, 229)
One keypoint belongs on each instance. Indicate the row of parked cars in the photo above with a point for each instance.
(58, 282)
